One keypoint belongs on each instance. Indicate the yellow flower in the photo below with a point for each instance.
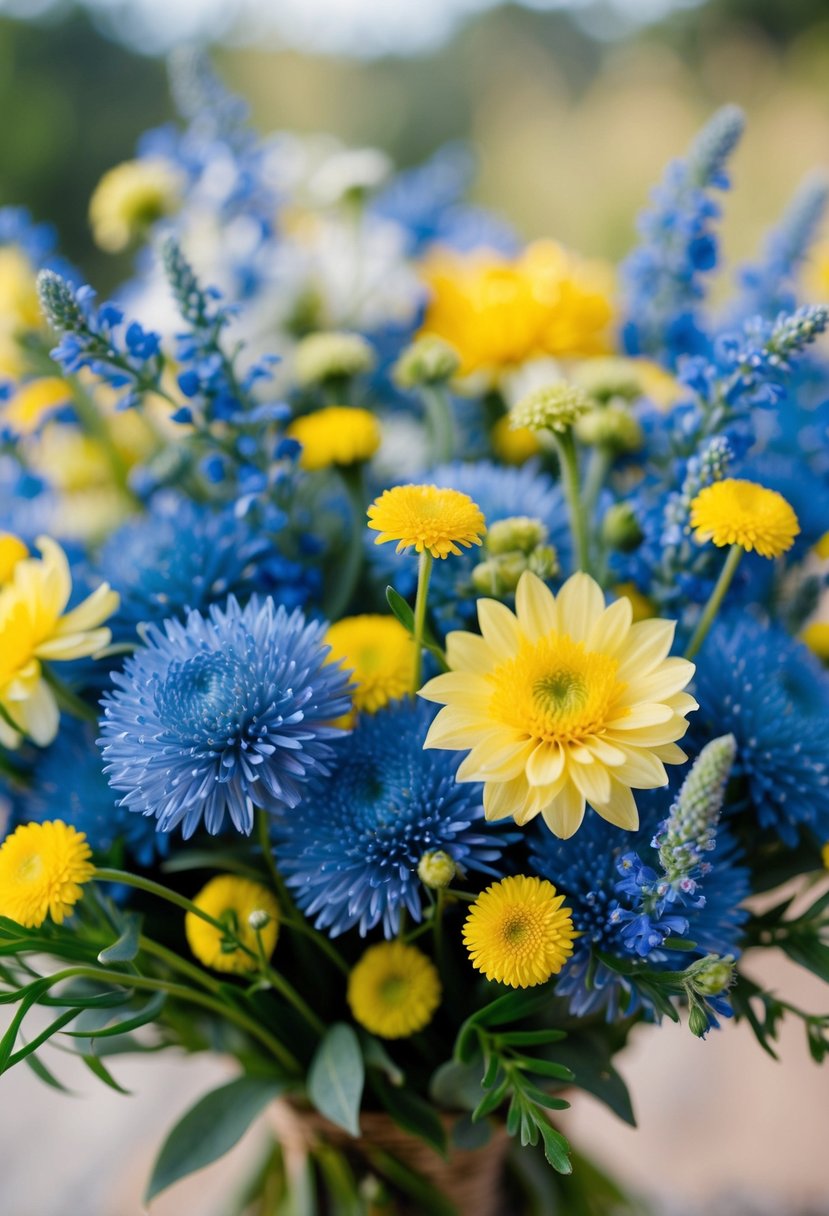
(821, 549)
(518, 932)
(130, 198)
(12, 551)
(33, 401)
(336, 435)
(379, 653)
(816, 637)
(513, 444)
(42, 869)
(430, 518)
(563, 703)
(232, 901)
(393, 990)
(498, 312)
(825, 855)
(35, 626)
(642, 607)
(733, 512)
(19, 307)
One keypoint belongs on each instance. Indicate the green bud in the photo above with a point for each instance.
(620, 528)
(603, 379)
(714, 975)
(331, 356)
(519, 532)
(612, 427)
(554, 408)
(259, 919)
(429, 360)
(698, 1021)
(499, 575)
(543, 561)
(436, 869)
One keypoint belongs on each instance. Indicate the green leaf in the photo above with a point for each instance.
(413, 1114)
(470, 1136)
(210, 1129)
(544, 1068)
(530, 1038)
(101, 1071)
(679, 943)
(336, 1077)
(103, 1024)
(589, 1057)
(457, 1086)
(125, 948)
(376, 1056)
(491, 1101)
(556, 1148)
(520, 1003)
(45, 1074)
(400, 608)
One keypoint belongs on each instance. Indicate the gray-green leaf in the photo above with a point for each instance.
(336, 1076)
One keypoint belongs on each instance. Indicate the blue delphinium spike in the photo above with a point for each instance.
(663, 277)
(691, 827)
(768, 286)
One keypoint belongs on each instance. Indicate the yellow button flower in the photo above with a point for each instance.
(734, 512)
(816, 637)
(564, 703)
(394, 990)
(337, 435)
(42, 869)
(130, 198)
(378, 652)
(427, 518)
(34, 626)
(33, 401)
(233, 901)
(519, 932)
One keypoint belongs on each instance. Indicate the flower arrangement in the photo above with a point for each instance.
(411, 654)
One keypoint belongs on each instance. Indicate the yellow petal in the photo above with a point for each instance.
(563, 816)
(499, 627)
(648, 644)
(468, 652)
(580, 604)
(545, 764)
(593, 781)
(535, 607)
(620, 809)
(612, 628)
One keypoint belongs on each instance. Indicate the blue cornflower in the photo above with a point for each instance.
(217, 714)
(501, 493)
(756, 683)
(350, 852)
(181, 555)
(664, 276)
(67, 782)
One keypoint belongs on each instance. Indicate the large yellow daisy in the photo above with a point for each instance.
(565, 702)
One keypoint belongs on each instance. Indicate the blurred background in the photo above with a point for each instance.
(572, 109)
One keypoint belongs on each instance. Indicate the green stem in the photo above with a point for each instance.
(568, 458)
(437, 921)
(68, 700)
(176, 963)
(424, 574)
(711, 609)
(439, 417)
(277, 981)
(598, 467)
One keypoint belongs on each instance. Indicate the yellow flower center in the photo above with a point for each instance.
(556, 691)
(393, 989)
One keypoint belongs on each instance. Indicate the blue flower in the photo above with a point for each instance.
(350, 852)
(220, 713)
(67, 782)
(181, 555)
(664, 276)
(756, 683)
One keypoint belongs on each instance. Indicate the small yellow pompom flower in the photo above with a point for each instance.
(824, 853)
(394, 990)
(519, 932)
(733, 512)
(378, 652)
(337, 435)
(821, 549)
(511, 444)
(430, 518)
(130, 198)
(564, 703)
(816, 637)
(232, 901)
(42, 869)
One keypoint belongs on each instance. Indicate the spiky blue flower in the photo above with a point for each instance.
(350, 852)
(664, 276)
(67, 782)
(181, 555)
(756, 683)
(217, 714)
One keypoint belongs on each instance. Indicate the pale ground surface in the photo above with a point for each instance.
(715, 1118)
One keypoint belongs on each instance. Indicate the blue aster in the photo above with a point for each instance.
(222, 712)
(181, 555)
(67, 782)
(351, 850)
(758, 684)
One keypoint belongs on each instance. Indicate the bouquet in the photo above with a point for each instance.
(411, 655)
